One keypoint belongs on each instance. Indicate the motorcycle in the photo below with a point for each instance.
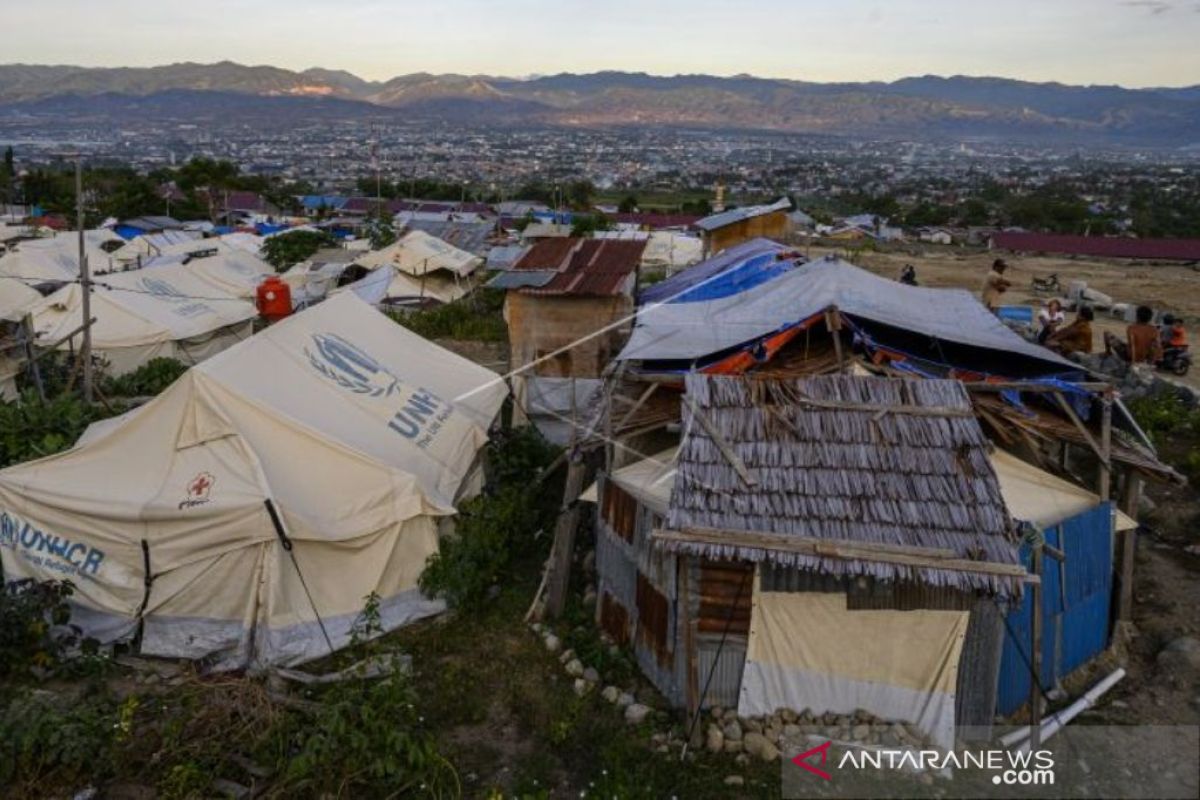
(1047, 285)
(1176, 360)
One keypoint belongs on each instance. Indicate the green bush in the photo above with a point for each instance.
(495, 529)
(1174, 428)
(44, 735)
(32, 429)
(28, 610)
(149, 379)
(476, 318)
(366, 738)
(288, 249)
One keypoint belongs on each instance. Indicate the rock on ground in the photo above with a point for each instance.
(636, 713)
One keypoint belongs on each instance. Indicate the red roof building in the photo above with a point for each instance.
(564, 297)
(1098, 246)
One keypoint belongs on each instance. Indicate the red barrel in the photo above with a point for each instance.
(274, 299)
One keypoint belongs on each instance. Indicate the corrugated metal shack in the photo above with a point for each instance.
(817, 529)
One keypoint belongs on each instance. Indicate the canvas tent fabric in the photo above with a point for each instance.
(56, 259)
(313, 459)
(145, 314)
(1036, 496)
(808, 650)
(417, 253)
(233, 271)
(685, 329)
(16, 298)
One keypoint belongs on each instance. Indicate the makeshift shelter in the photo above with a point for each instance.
(243, 515)
(567, 303)
(727, 228)
(144, 314)
(831, 544)
(743, 314)
(425, 267)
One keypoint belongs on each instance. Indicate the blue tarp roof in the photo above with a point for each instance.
(314, 201)
(737, 269)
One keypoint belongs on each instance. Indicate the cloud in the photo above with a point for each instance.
(1152, 7)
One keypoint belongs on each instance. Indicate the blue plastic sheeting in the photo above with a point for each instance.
(128, 231)
(720, 274)
(1076, 599)
(263, 229)
(1020, 314)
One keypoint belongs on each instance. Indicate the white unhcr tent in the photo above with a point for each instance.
(56, 259)
(424, 267)
(243, 515)
(145, 314)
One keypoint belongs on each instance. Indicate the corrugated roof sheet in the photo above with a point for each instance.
(724, 218)
(583, 266)
(827, 464)
(1099, 246)
(470, 236)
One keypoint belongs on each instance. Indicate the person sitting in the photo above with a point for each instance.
(995, 284)
(908, 275)
(1076, 337)
(1174, 335)
(1143, 342)
(1050, 319)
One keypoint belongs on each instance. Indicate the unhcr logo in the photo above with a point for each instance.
(160, 288)
(350, 367)
(423, 413)
(54, 553)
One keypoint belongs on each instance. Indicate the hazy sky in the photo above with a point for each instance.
(1130, 42)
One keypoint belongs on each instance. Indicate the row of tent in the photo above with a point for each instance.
(243, 515)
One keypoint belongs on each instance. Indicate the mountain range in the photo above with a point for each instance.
(928, 107)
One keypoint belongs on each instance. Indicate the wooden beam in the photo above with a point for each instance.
(1087, 435)
(651, 389)
(903, 555)
(726, 449)
(1105, 475)
(1127, 545)
(1028, 386)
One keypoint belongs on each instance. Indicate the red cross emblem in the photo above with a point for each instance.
(200, 485)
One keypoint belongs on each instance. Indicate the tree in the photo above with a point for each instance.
(380, 230)
(288, 249)
(587, 224)
(628, 205)
(580, 194)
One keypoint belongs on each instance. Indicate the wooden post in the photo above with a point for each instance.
(27, 343)
(1105, 476)
(564, 536)
(1035, 631)
(1127, 545)
(687, 628)
(833, 321)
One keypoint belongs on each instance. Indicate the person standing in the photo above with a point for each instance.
(995, 284)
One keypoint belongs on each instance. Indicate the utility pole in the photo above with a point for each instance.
(85, 283)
